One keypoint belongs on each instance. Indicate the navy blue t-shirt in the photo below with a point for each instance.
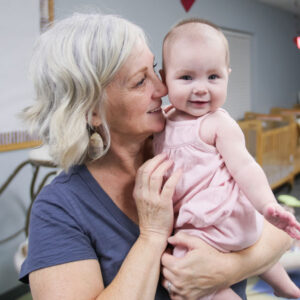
(74, 219)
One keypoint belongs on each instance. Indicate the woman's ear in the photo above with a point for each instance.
(162, 76)
(96, 120)
(229, 70)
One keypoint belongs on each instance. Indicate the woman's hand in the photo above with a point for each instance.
(200, 272)
(153, 197)
(204, 270)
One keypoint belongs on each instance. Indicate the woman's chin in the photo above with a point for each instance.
(159, 127)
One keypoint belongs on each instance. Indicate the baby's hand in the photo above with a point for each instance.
(282, 219)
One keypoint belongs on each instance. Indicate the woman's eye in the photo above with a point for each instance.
(186, 77)
(141, 82)
(212, 77)
(154, 68)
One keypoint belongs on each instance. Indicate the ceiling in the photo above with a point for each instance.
(292, 6)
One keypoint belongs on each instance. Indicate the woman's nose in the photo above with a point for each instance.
(160, 89)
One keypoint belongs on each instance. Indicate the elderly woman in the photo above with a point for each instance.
(101, 228)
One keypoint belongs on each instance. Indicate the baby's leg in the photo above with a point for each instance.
(283, 286)
(227, 294)
(282, 219)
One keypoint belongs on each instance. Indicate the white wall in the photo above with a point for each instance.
(19, 27)
(275, 75)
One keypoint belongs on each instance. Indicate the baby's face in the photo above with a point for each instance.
(196, 73)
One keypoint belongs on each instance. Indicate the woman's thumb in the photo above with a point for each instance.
(183, 240)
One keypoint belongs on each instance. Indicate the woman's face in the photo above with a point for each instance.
(133, 104)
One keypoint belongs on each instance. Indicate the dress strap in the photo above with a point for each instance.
(202, 118)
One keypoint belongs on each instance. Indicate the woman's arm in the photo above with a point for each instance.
(139, 274)
(137, 278)
(74, 280)
(272, 244)
(204, 270)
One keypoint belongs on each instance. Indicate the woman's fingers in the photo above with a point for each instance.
(187, 241)
(150, 176)
(147, 169)
(190, 274)
(170, 185)
(154, 198)
(168, 276)
(156, 178)
(169, 283)
(168, 260)
(144, 172)
(172, 290)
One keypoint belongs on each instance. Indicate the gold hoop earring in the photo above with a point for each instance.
(96, 146)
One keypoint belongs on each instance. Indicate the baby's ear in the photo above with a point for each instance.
(229, 70)
(162, 75)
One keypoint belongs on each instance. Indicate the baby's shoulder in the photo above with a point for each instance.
(220, 118)
(217, 123)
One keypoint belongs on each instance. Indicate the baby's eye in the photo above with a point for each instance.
(186, 77)
(213, 76)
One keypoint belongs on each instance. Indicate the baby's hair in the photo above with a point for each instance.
(199, 21)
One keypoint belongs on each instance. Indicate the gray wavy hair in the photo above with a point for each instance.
(72, 64)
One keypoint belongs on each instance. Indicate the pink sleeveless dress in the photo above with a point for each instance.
(207, 201)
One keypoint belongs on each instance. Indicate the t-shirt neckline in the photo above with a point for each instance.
(105, 199)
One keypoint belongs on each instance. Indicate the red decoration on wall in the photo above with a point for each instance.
(297, 41)
(187, 4)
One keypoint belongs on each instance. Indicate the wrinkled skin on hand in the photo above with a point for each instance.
(154, 198)
(200, 272)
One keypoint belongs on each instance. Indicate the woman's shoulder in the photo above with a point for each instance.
(66, 185)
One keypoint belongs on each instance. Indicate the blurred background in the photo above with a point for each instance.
(265, 64)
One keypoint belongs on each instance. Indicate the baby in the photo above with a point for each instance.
(224, 193)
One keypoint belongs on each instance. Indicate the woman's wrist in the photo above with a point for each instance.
(234, 268)
(154, 239)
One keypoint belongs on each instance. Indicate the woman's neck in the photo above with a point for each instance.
(122, 157)
(116, 173)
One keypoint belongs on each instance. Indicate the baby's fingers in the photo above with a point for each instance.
(294, 231)
(168, 108)
(170, 185)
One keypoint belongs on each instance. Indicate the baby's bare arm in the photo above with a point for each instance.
(230, 142)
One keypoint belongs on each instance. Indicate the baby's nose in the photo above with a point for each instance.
(199, 89)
